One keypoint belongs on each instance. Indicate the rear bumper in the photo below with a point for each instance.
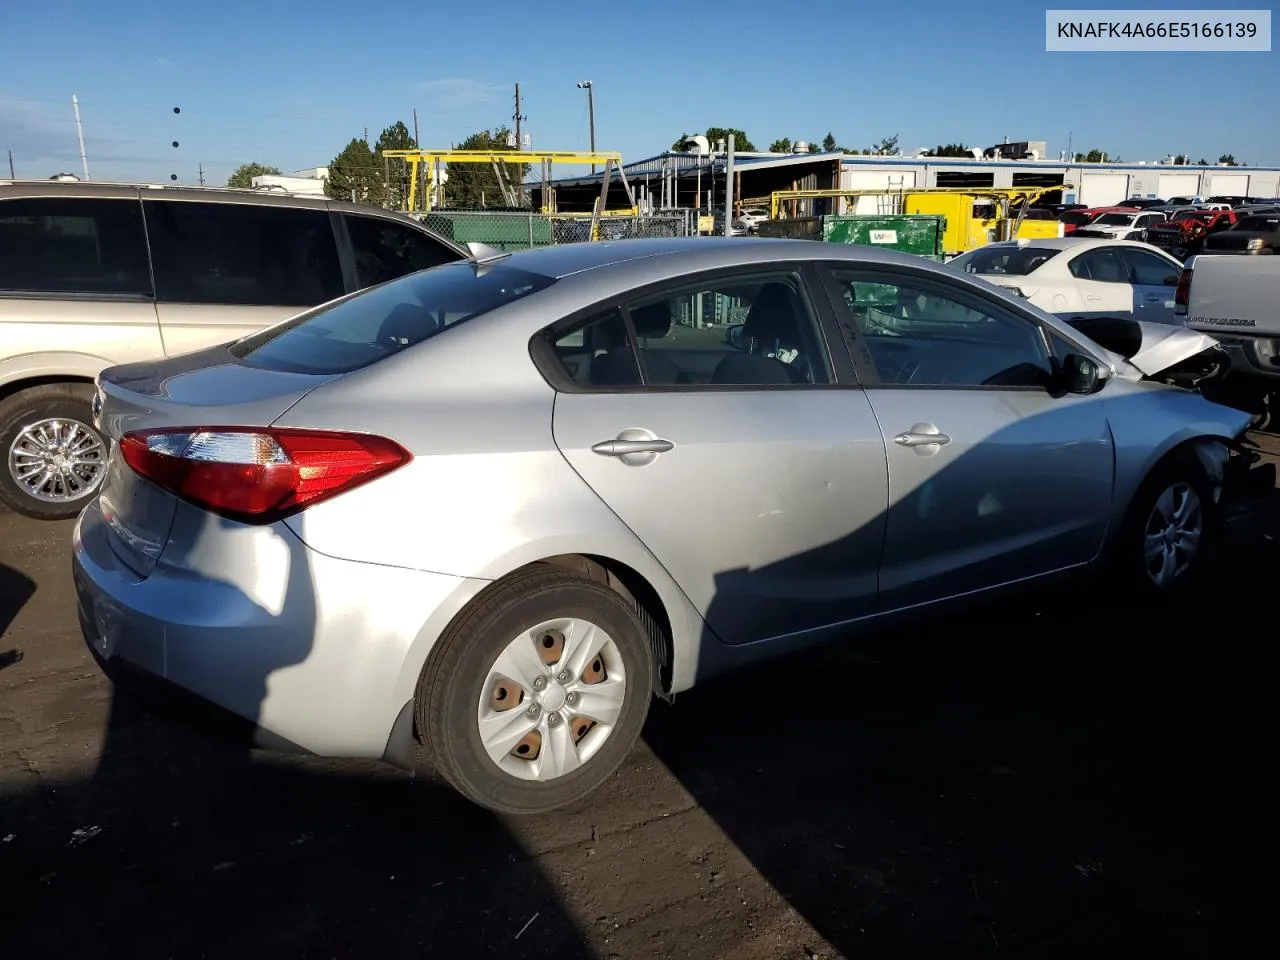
(307, 651)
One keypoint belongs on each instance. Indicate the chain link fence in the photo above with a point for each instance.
(523, 229)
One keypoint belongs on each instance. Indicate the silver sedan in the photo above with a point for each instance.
(498, 505)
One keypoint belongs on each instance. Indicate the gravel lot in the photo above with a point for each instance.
(1055, 775)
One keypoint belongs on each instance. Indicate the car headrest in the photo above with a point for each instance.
(652, 320)
(771, 316)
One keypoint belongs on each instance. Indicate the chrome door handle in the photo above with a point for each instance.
(621, 448)
(920, 439)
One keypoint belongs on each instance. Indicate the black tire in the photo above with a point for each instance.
(68, 401)
(1128, 552)
(451, 683)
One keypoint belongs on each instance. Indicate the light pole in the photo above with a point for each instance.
(591, 115)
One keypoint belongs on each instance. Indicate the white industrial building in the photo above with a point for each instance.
(1094, 184)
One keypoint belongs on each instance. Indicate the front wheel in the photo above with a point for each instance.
(537, 693)
(1170, 532)
(54, 460)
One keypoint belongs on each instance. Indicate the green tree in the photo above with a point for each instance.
(1093, 156)
(1228, 159)
(476, 184)
(355, 174)
(741, 142)
(949, 150)
(244, 174)
(396, 170)
(1180, 160)
(1202, 162)
(829, 143)
(782, 145)
(885, 148)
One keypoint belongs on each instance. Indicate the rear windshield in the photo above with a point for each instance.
(1115, 219)
(1076, 216)
(1009, 261)
(386, 319)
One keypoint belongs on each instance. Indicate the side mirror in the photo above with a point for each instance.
(733, 336)
(1081, 375)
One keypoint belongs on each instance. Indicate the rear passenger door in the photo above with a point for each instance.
(383, 249)
(755, 475)
(1102, 281)
(225, 270)
(74, 279)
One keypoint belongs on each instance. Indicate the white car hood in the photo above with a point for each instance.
(1163, 346)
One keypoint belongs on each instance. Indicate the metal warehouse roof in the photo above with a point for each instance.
(656, 165)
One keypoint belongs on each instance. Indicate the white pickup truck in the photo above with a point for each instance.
(1237, 300)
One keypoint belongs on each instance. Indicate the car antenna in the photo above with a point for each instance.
(483, 253)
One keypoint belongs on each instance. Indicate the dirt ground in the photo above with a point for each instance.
(1052, 776)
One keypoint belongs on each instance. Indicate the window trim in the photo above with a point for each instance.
(972, 299)
(840, 365)
(90, 296)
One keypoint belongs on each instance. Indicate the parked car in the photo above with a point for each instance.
(96, 274)
(1184, 235)
(1253, 234)
(750, 218)
(1127, 225)
(501, 503)
(1143, 203)
(1078, 278)
(1076, 219)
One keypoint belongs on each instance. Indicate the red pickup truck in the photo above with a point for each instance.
(1183, 236)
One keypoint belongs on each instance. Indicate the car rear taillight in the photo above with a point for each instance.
(258, 474)
(1182, 292)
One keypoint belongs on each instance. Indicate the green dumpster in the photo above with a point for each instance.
(918, 234)
(503, 231)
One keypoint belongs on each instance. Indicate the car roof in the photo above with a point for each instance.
(1067, 243)
(33, 189)
(697, 253)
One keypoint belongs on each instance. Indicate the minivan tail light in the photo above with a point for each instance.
(258, 474)
(1182, 292)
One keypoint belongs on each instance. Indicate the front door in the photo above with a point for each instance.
(226, 270)
(991, 478)
(758, 483)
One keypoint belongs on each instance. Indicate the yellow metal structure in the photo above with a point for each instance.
(499, 159)
(974, 217)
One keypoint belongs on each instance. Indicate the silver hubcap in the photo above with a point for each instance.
(1173, 534)
(57, 460)
(551, 699)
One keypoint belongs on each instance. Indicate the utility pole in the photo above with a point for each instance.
(591, 115)
(200, 170)
(728, 190)
(84, 159)
(519, 119)
(418, 144)
(12, 175)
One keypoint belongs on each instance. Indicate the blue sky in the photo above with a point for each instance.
(290, 83)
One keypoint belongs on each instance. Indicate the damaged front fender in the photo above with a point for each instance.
(1141, 350)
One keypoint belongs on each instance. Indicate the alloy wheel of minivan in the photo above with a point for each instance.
(54, 461)
(537, 692)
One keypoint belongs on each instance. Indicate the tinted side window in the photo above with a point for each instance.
(1102, 266)
(242, 254)
(918, 334)
(73, 245)
(385, 250)
(744, 332)
(1148, 269)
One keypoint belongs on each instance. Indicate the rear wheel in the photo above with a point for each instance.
(537, 693)
(54, 460)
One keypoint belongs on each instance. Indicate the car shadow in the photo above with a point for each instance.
(1044, 772)
(183, 844)
(15, 590)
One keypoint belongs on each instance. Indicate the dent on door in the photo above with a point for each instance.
(766, 508)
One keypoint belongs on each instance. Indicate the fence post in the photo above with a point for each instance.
(530, 229)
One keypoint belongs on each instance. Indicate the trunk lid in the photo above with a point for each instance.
(189, 390)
